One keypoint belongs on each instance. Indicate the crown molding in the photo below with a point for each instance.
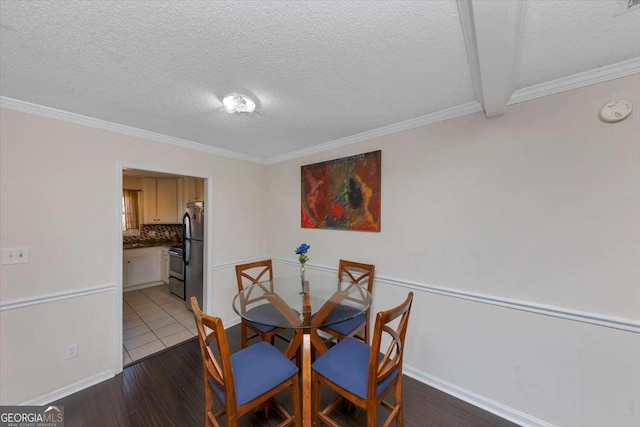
(438, 116)
(598, 75)
(608, 72)
(65, 116)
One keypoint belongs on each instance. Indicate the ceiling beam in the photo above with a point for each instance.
(492, 33)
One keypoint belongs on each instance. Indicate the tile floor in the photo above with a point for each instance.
(152, 320)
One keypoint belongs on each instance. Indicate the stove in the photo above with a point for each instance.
(176, 270)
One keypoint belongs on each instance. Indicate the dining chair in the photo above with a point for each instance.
(245, 380)
(358, 326)
(248, 275)
(362, 374)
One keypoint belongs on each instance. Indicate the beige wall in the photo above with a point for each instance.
(540, 206)
(60, 189)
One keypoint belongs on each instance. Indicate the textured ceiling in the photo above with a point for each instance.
(565, 37)
(321, 71)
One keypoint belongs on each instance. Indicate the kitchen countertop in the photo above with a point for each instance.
(149, 244)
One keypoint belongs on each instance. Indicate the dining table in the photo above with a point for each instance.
(303, 304)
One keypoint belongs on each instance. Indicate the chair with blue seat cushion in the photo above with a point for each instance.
(358, 325)
(245, 380)
(248, 275)
(362, 373)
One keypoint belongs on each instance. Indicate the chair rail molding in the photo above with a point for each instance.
(55, 296)
(232, 264)
(625, 324)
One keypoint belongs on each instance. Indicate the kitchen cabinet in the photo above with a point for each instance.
(141, 266)
(164, 264)
(160, 196)
(199, 189)
(192, 189)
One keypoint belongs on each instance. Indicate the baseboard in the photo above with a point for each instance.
(143, 286)
(231, 322)
(475, 399)
(470, 397)
(70, 389)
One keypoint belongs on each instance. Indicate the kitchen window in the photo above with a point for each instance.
(130, 210)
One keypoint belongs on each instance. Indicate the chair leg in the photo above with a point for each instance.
(372, 413)
(295, 401)
(315, 400)
(398, 402)
(208, 405)
(243, 335)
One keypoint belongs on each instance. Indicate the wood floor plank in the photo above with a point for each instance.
(166, 389)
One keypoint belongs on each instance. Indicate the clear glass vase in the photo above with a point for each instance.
(302, 278)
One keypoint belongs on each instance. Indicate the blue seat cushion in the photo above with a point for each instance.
(256, 370)
(267, 313)
(348, 326)
(347, 365)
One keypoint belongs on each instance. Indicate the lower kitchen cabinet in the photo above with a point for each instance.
(141, 266)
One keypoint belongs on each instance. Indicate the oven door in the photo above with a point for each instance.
(176, 266)
(176, 287)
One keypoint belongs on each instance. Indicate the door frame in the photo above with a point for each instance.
(208, 247)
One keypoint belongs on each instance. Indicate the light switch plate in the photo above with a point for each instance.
(15, 255)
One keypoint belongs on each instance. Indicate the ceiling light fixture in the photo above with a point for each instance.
(238, 103)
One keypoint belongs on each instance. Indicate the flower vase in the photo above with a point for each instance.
(302, 278)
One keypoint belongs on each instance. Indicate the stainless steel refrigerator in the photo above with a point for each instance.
(193, 222)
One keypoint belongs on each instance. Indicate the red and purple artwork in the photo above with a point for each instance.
(342, 194)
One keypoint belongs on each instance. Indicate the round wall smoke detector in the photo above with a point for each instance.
(616, 110)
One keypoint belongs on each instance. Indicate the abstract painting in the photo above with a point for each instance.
(342, 194)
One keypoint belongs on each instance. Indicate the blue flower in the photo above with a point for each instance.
(301, 251)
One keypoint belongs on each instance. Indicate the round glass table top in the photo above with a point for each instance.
(290, 302)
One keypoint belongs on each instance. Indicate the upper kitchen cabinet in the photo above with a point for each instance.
(190, 189)
(160, 200)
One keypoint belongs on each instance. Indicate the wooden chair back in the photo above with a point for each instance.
(357, 272)
(248, 275)
(253, 272)
(383, 367)
(362, 274)
(216, 369)
(379, 369)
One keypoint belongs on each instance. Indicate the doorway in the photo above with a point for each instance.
(155, 314)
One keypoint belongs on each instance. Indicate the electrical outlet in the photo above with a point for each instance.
(71, 351)
(15, 255)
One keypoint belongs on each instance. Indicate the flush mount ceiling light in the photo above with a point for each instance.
(238, 103)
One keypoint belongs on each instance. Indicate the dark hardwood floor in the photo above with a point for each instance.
(166, 389)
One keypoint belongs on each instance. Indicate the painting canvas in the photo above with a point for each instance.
(342, 194)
